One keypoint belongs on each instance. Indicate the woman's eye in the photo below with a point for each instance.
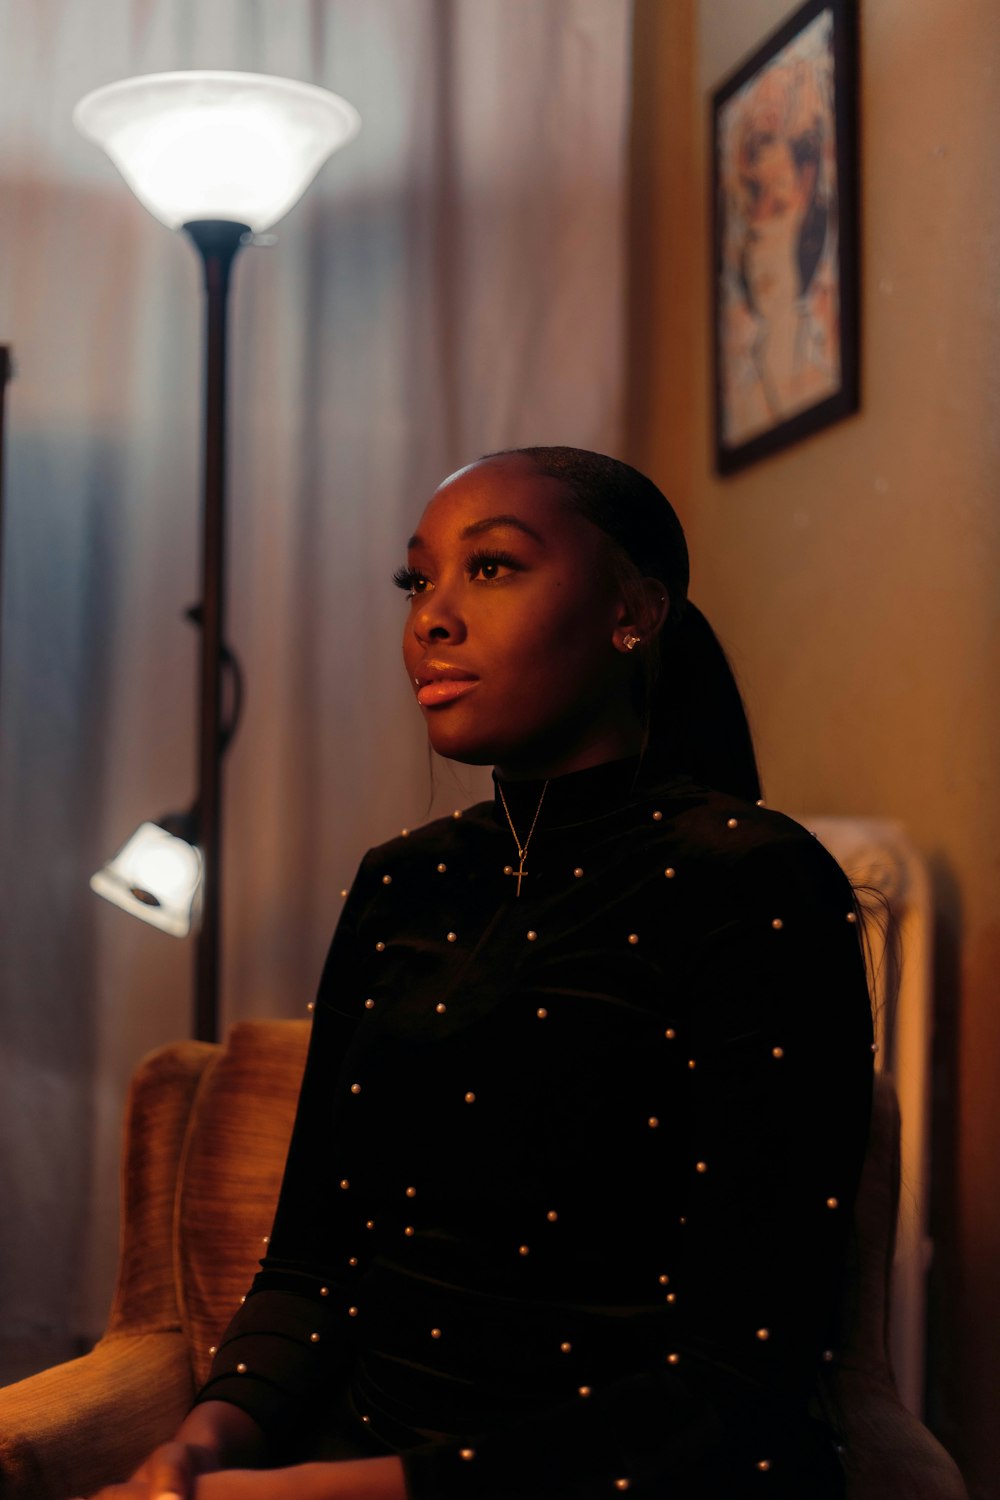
(410, 581)
(491, 567)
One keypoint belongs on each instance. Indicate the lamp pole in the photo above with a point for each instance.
(221, 155)
(218, 242)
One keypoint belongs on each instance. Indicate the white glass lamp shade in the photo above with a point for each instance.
(155, 876)
(200, 145)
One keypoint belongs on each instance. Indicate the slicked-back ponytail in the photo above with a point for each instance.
(693, 712)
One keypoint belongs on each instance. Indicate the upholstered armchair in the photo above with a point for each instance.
(206, 1132)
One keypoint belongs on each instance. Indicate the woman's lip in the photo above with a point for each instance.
(445, 690)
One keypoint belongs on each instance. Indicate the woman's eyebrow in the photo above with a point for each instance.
(489, 523)
(492, 523)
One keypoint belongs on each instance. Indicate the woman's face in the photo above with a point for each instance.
(513, 640)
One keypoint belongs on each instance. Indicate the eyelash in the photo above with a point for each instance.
(407, 578)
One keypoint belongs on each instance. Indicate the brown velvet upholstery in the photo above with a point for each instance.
(72, 1428)
(231, 1173)
(205, 1139)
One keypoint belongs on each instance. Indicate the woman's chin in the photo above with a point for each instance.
(468, 750)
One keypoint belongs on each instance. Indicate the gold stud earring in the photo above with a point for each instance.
(631, 641)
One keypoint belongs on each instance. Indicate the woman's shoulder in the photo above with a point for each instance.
(414, 847)
(745, 847)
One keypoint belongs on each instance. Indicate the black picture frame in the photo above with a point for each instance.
(785, 236)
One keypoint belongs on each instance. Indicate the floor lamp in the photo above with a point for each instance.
(222, 156)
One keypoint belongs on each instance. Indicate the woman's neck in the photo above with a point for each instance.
(618, 743)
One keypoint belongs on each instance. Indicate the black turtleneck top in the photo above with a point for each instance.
(567, 1198)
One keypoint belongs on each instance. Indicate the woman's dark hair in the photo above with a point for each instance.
(692, 711)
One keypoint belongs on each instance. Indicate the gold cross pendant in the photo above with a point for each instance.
(519, 873)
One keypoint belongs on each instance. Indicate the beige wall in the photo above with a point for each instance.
(856, 577)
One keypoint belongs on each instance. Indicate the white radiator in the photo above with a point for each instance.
(876, 853)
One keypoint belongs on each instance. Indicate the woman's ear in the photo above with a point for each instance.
(642, 615)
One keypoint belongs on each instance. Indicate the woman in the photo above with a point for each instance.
(567, 1198)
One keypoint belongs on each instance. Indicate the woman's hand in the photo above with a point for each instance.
(169, 1473)
(351, 1479)
(214, 1435)
(173, 1468)
(168, 1470)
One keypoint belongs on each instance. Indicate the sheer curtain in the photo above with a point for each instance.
(452, 283)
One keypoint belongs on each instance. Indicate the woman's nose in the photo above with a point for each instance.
(438, 619)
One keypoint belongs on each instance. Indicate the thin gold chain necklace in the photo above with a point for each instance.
(522, 852)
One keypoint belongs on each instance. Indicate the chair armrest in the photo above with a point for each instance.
(157, 1115)
(91, 1421)
(889, 1454)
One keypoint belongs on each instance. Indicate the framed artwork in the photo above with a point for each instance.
(785, 193)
